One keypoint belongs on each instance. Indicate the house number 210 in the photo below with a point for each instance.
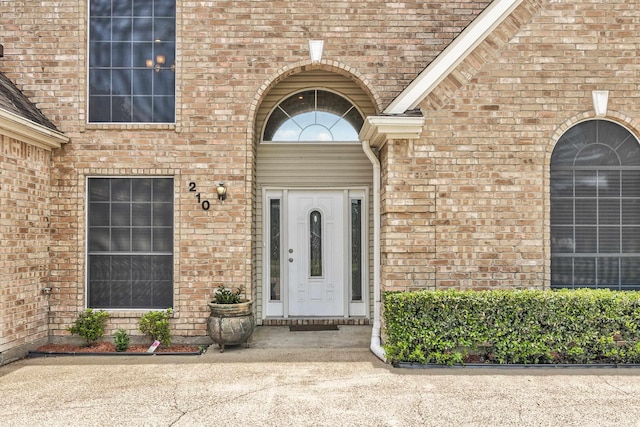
(204, 203)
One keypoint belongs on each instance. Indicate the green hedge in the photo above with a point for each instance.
(509, 327)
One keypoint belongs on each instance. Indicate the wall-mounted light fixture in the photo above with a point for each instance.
(315, 50)
(221, 189)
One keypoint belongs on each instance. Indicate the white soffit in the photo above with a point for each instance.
(29, 132)
(378, 129)
(452, 56)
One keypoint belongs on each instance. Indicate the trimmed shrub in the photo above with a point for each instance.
(508, 327)
(156, 325)
(90, 325)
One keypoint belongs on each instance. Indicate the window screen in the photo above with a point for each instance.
(595, 208)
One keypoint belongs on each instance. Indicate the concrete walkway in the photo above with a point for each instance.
(306, 379)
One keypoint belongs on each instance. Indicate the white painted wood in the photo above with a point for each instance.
(322, 295)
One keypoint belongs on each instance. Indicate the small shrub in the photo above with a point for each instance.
(90, 325)
(121, 340)
(226, 296)
(156, 325)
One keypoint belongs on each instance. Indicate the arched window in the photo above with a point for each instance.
(595, 208)
(314, 115)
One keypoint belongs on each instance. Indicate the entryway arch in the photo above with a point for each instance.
(304, 269)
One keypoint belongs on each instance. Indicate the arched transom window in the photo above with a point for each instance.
(314, 115)
(595, 208)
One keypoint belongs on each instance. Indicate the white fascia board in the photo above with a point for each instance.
(29, 132)
(452, 56)
(378, 129)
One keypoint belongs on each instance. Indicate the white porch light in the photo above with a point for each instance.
(315, 50)
(600, 101)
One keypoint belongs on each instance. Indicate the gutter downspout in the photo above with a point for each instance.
(375, 347)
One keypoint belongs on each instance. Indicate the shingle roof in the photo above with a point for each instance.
(14, 101)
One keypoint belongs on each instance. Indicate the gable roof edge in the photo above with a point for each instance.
(452, 56)
(21, 129)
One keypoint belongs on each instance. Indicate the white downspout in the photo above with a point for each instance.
(375, 347)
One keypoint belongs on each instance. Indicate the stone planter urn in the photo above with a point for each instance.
(230, 324)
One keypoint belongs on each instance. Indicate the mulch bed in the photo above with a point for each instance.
(107, 347)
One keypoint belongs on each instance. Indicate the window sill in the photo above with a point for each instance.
(130, 126)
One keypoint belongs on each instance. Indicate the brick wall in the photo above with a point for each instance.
(490, 130)
(226, 53)
(24, 233)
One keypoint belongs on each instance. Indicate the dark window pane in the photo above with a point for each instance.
(142, 109)
(608, 272)
(99, 293)
(315, 244)
(162, 240)
(164, 8)
(609, 211)
(562, 239)
(141, 189)
(141, 214)
(100, 82)
(163, 190)
(121, 109)
(631, 212)
(100, 30)
(630, 268)
(274, 249)
(164, 82)
(164, 109)
(356, 250)
(120, 215)
(561, 272)
(120, 294)
(562, 184)
(121, 29)
(122, 7)
(99, 240)
(121, 267)
(100, 7)
(163, 294)
(98, 214)
(121, 189)
(586, 183)
(122, 55)
(586, 240)
(631, 183)
(609, 183)
(143, 85)
(120, 239)
(162, 267)
(631, 239)
(142, 8)
(99, 189)
(584, 271)
(162, 214)
(141, 240)
(99, 54)
(142, 293)
(562, 211)
(143, 52)
(609, 240)
(142, 29)
(100, 267)
(586, 211)
(99, 109)
(164, 29)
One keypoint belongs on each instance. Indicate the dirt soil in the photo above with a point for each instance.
(107, 347)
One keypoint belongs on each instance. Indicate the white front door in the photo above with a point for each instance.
(315, 251)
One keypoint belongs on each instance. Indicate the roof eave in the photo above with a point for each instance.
(21, 129)
(452, 56)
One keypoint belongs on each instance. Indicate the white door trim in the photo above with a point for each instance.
(280, 309)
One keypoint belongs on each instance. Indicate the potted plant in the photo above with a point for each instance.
(231, 320)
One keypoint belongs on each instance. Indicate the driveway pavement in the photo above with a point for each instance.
(297, 383)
